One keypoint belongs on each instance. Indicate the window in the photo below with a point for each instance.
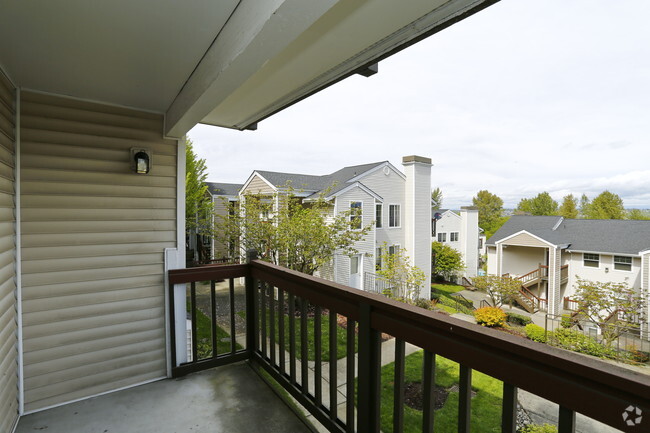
(442, 237)
(356, 208)
(623, 263)
(591, 260)
(378, 212)
(393, 249)
(453, 237)
(394, 215)
(378, 259)
(480, 243)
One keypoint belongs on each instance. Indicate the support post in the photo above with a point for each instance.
(251, 313)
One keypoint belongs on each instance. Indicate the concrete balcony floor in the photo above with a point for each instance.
(228, 399)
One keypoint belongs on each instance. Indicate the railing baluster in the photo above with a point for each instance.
(272, 323)
(304, 347)
(509, 409)
(292, 338)
(193, 314)
(369, 373)
(428, 390)
(332, 365)
(398, 396)
(263, 289)
(318, 345)
(233, 329)
(213, 317)
(567, 421)
(350, 402)
(464, 399)
(281, 317)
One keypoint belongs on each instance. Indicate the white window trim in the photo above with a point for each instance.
(591, 267)
(381, 214)
(451, 235)
(400, 216)
(360, 216)
(623, 270)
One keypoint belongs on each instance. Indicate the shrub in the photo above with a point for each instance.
(438, 279)
(536, 333)
(579, 342)
(637, 356)
(518, 319)
(538, 428)
(423, 303)
(435, 296)
(452, 302)
(490, 316)
(567, 321)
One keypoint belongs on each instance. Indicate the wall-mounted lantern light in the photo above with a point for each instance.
(140, 161)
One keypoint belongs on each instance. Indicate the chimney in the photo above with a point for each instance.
(469, 239)
(417, 216)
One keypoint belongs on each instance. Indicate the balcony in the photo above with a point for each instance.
(361, 352)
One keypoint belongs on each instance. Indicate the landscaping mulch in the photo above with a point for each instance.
(413, 396)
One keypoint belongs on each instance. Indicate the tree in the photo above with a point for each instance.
(403, 278)
(436, 198)
(287, 232)
(446, 261)
(585, 203)
(495, 225)
(543, 204)
(637, 214)
(606, 206)
(524, 206)
(500, 289)
(569, 207)
(490, 208)
(198, 203)
(608, 305)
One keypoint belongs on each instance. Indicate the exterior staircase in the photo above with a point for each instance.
(527, 299)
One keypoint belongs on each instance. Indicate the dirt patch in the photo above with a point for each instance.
(413, 396)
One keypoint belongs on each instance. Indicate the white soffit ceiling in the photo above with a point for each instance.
(136, 53)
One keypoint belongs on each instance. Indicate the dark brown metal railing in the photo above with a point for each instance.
(576, 383)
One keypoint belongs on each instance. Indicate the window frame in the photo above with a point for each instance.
(391, 216)
(356, 221)
(379, 213)
(627, 264)
(378, 263)
(595, 258)
(451, 237)
(442, 237)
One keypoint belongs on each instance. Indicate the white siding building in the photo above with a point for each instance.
(460, 231)
(397, 203)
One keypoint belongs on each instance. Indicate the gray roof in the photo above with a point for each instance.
(606, 236)
(224, 188)
(307, 182)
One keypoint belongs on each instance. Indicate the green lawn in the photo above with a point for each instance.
(446, 289)
(486, 405)
(447, 302)
(204, 337)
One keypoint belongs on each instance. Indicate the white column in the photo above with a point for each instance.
(554, 301)
(417, 216)
(469, 239)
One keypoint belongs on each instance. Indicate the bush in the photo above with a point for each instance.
(451, 302)
(490, 316)
(579, 342)
(423, 303)
(536, 333)
(538, 428)
(518, 319)
(567, 321)
(438, 279)
(435, 296)
(637, 356)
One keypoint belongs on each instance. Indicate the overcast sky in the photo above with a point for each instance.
(523, 97)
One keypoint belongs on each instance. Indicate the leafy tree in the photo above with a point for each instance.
(403, 278)
(490, 208)
(543, 204)
(490, 229)
(525, 205)
(606, 206)
(637, 214)
(569, 207)
(436, 198)
(287, 232)
(446, 261)
(500, 289)
(585, 203)
(198, 203)
(608, 304)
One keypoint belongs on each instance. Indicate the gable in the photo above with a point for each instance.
(525, 239)
(256, 184)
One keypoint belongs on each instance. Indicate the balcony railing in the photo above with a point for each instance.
(286, 314)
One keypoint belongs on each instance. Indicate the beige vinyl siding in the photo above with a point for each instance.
(258, 186)
(93, 236)
(8, 330)
(525, 240)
